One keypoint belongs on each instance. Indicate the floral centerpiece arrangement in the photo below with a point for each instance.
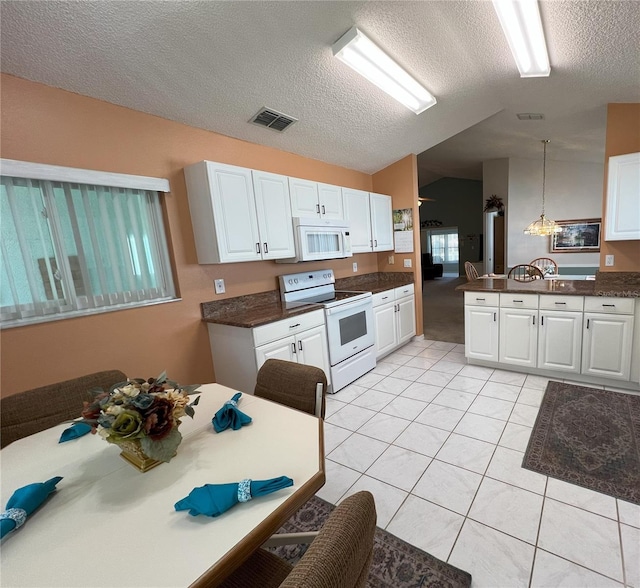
(142, 416)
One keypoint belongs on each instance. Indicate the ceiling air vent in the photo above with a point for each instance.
(530, 116)
(267, 117)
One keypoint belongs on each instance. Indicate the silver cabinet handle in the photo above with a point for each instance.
(293, 346)
(318, 208)
(376, 241)
(294, 326)
(494, 317)
(299, 345)
(384, 297)
(610, 305)
(323, 211)
(480, 299)
(266, 249)
(534, 318)
(542, 321)
(257, 247)
(588, 323)
(560, 303)
(520, 301)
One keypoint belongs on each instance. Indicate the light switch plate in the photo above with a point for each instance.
(355, 266)
(391, 260)
(219, 285)
(608, 260)
(407, 263)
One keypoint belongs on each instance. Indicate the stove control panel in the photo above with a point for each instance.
(306, 280)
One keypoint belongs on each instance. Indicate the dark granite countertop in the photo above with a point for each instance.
(254, 310)
(617, 284)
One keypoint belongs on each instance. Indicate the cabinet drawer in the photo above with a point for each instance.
(278, 330)
(383, 297)
(554, 302)
(609, 304)
(403, 291)
(518, 300)
(482, 298)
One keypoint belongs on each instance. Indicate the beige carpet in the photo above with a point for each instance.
(443, 309)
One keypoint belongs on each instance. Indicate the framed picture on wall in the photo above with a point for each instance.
(577, 236)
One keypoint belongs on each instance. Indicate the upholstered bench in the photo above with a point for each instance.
(32, 411)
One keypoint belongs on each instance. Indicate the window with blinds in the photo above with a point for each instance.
(70, 248)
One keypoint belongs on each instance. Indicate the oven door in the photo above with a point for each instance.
(349, 329)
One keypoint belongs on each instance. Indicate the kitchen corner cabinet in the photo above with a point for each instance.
(238, 214)
(623, 188)
(394, 318)
(238, 353)
(315, 200)
(481, 325)
(370, 218)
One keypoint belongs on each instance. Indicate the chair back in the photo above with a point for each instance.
(471, 271)
(293, 384)
(525, 273)
(546, 265)
(340, 556)
(32, 411)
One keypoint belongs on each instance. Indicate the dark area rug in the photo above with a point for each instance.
(590, 438)
(396, 564)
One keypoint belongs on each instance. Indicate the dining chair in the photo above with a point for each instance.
(545, 264)
(293, 384)
(525, 273)
(35, 410)
(339, 554)
(471, 271)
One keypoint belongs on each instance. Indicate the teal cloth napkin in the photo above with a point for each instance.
(230, 416)
(23, 502)
(74, 431)
(213, 499)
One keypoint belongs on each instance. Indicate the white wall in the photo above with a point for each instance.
(573, 191)
(495, 180)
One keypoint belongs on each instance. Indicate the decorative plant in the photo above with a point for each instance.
(494, 202)
(145, 412)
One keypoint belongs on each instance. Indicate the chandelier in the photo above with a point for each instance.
(543, 226)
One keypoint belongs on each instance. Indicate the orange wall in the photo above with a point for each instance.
(623, 136)
(400, 180)
(46, 125)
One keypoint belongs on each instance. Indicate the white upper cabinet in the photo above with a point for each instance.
(370, 220)
(235, 213)
(315, 200)
(623, 198)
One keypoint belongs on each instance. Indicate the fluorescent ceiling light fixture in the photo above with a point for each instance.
(521, 23)
(361, 54)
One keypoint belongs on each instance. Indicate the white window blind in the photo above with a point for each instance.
(70, 249)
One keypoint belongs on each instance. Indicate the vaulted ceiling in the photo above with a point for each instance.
(214, 64)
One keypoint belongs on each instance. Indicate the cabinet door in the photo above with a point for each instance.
(223, 213)
(560, 341)
(623, 187)
(356, 210)
(518, 336)
(481, 332)
(331, 205)
(384, 321)
(381, 222)
(281, 349)
(304, 198)
(311, 349)
(273, 206)
(406, 319)
(606, 345)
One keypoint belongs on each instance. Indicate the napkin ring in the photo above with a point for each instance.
(17, 515)
(244, 490)
(232, 402)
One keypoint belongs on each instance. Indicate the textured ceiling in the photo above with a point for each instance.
(214, 64)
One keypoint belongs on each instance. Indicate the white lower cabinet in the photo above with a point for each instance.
(239, 352)
(589, 336)
(394, 318)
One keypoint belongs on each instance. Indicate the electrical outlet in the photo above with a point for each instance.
(608, 260)
(391, 260)
(355, 266)
(219, 285)
(407, 263)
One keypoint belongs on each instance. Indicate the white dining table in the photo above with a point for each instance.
(109, 524)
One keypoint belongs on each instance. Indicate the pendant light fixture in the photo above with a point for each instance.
(543, 226)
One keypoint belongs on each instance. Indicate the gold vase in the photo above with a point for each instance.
(132, 452)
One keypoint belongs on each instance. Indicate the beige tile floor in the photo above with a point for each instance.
(440, 444)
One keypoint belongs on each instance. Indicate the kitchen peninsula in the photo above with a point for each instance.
(585, 330)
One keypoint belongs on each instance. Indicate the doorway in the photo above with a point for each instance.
(444, 246)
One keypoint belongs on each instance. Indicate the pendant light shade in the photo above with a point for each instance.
(543, 226)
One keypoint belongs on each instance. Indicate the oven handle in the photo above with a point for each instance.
(350, 306)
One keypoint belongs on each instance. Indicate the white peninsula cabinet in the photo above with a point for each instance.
(238, 353)
(371, 220)
(239, 214)
(315, 200)
(589, 337)
(481, 325)
(394, 318)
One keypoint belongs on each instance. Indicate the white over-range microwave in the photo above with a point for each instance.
(317, 239)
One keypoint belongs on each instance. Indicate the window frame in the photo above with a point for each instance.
(68, 175)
